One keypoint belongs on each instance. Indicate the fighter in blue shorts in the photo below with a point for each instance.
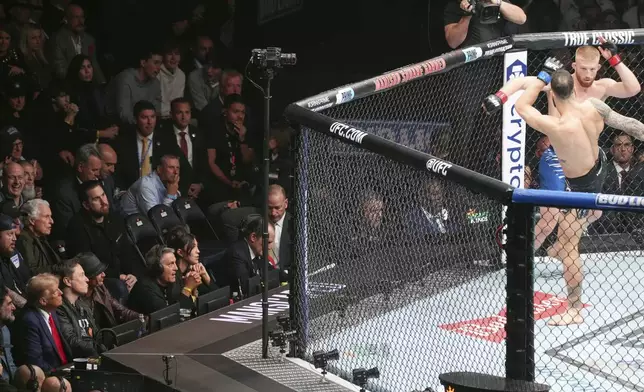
(552, 178)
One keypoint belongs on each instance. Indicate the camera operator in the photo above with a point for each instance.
(468, 23)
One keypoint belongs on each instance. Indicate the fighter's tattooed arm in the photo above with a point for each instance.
(615, 120)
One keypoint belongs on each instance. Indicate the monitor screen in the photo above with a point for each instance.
(127, 332)
(213, 300)
(164, 318)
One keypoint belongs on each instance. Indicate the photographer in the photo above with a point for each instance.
(467, 22)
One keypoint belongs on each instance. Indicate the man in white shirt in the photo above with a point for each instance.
(277, 205)
(159, 187)
(172, 78)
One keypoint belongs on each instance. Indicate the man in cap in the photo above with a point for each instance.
(108, 312)
(13, 270)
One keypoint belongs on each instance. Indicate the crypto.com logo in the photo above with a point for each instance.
(516, 70)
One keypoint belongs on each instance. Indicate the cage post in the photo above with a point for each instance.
(520, 307)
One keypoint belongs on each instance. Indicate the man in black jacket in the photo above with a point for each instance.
(160, 289)
(77, 322)
(95, 229)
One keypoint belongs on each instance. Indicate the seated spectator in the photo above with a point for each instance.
(186, 251)
(89, 96)
(244, 257)
(33, 244)
(107, 311)
(160, 288)
(11, 61)
(71, 40)
(198, 55)
(13, 183)
(230, 154)
(64, 197)
(11, 145)
(110, 159)
(171, 77)
(54, 384)
(37, 338)
(7, 307)
(203, 83)
(191, 143)
(230, 82)
(15, 272)
(32, 43)
(16, 112)
(281, 219)
(27, 374)
(20, 13)
(135, 149)
(134, 85)
(94, 229)
(30, 190)
(77, 326)
(160, 187)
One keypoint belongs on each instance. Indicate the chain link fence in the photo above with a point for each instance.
(403, 271)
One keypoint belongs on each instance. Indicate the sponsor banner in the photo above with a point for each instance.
(347, 132)
(319, 104)
(492, 328)
(473, 53)
(514, 127)
(500, 49)
(411, 72)
(581, 38)
(418, 135)
(344, 95)
(438, 166)
(635, 202)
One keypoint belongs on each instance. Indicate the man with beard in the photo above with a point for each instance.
(30, 191)
(94, 229)
(15, 272)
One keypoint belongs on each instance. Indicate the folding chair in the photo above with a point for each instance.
(142, 234)
(164, 219)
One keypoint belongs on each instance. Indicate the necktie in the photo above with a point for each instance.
(183, 144)
(145, 158)
(57, 340)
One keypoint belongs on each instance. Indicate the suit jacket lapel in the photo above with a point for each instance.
(45, 327)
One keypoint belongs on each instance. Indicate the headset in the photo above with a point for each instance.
(153, 261)
(32, 383)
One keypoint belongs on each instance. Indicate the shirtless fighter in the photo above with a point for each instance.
(585, 66)
(574, 135)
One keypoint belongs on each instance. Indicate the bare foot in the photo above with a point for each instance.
(572, 316)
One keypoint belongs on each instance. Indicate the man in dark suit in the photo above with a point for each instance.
(244, 257)
(64, 198)
(109, 158)
(277, 205)
(37, 339)
(135, 149)
(191, 143)
(72, 39)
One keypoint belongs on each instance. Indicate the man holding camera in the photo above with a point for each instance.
(469, 22)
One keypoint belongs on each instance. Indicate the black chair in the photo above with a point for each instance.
(142, 234)
(254, 286)
(192, 216)
(164, 219)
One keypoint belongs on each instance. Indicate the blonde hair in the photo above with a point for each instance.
(587, 52)
(39, 286)
(39, 54)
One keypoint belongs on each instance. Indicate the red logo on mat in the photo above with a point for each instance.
(493, 328)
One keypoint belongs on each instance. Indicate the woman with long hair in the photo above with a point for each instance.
(187, 252)
(89, 96)
(32, 43)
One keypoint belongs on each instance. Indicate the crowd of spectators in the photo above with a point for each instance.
(104, 118)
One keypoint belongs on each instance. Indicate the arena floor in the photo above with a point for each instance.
(461, 329)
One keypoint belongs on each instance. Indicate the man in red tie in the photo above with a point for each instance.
(38, 340)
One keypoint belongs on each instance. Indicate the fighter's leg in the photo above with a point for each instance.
(545, 225)
(570, 229)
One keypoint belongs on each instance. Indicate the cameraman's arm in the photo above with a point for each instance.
(512, 13)
(456, 24)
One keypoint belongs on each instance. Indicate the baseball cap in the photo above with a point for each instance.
(6, 223)
(15, 88)
(10, 209)
(9, 134)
